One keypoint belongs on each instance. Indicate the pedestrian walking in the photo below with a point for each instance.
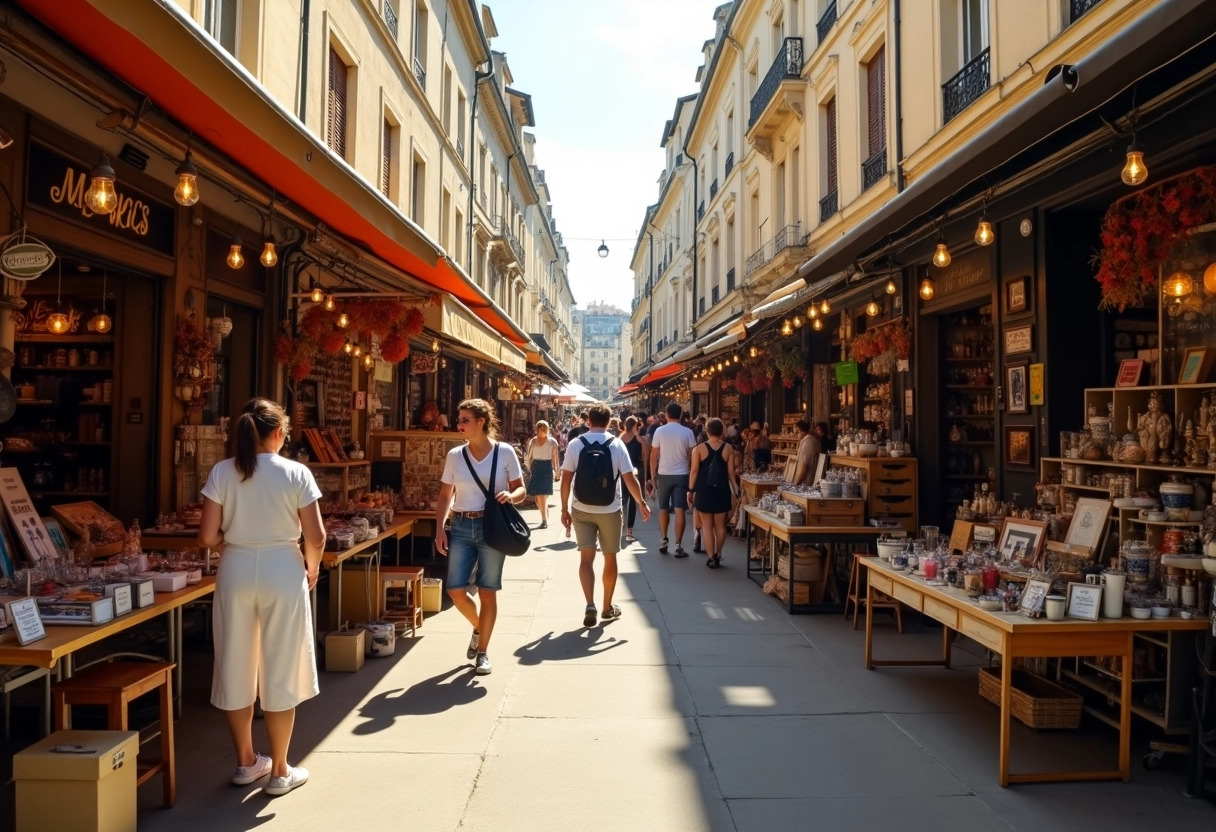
(256, 505)
(472, 561)
(713, 489)
(595, 467)
(639, 451)
(762, 448)
(541, 457)
(580, 427)
(670, 454)
(809, 448)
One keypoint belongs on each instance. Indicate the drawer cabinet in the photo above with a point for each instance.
(890, 488)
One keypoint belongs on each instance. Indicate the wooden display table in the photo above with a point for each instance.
(1014, 636)
(367, 548)
(828, 511)
(753, 488)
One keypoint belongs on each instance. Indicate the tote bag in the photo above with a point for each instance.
(502, 525)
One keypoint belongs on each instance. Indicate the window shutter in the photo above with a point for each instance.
(386, 160)
(337, 104)
(831, 143)
(876, 92)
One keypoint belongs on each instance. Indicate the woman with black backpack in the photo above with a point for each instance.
(713, 489)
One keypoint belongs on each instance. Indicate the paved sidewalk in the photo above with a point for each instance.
(703, 708)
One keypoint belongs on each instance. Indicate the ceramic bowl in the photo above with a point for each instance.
(1162, 612)
(1155, 516)
(1142, 612)
(989, 602)
(867, 449)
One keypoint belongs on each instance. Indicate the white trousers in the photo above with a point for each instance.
(264, 646)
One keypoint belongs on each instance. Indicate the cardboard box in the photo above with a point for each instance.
(344, 651)
(431, 595)
(93, 789)
(166, 581)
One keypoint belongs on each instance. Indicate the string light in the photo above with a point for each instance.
(872, 309)
(368, 361)
(269, 255)
(797, 321)
(317, 295)
(57, 322)
(786, 327)
(825, 307)
(348, 348)
(358, 351)
(984, 235)
(927, 288)
(891, 289)
(102, 322)
(344, 321)
(330, 304)
(812, 312)
(100, 197)
(817, 324)
(752, 352)
(1178, 285)
(236, 258)
(1134, 170)
(941, 257)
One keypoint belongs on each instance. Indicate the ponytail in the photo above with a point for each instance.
(258, 420)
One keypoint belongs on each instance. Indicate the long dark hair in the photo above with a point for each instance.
(260, 418)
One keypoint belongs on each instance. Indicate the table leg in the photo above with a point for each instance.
(1006, 706)
(946, 646)
(1125, 714)
(869, 624)
(178, 616)
(338, 624)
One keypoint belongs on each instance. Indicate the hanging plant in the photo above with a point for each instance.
(394, 347)
(893, 337)
(791, 366)
(391, 320)
(1143, 229)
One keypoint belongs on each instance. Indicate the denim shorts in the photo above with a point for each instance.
(672, 490)
(471, 561)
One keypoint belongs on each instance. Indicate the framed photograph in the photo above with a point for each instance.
(1034, 598)
(1084, 601)
(1195, 365)
(1130, 371)
(1017, 295)
(26, 620)
(1037, 395)
(1088, 523)
(1018, 339)
(1022, 541)
(1019, 445)
(1017, 388)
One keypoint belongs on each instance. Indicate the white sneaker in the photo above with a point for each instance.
(482, 666)
(251, 774)
(295, 778)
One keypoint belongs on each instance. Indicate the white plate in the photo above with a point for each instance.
(1143, 502)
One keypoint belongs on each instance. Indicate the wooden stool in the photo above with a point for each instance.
(406, 579)
(857, 597)
(116, 685)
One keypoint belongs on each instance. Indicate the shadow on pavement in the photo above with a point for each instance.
(439, 693)
(572, 645)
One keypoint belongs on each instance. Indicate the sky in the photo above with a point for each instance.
(604, 76)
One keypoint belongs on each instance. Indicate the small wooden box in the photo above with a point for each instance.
(344, 651)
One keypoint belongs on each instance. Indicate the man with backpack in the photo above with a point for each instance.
(595, 465)
(670, 455)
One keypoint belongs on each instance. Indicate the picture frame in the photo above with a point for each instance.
(1088, 524)
(1022, 541)
(1017, 295)
(26, 620)
(1034, 598)
(1037, 387)
(1084, 601)
(1017, 388)
(1195, 365)
(1019, 339)
(1019, 445)
(1130, 372)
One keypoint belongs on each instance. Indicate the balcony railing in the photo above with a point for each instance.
(1078, 8)
(788, 237)
(730, 281)
(730, 162)
(390, 18)
(420, 72)
(826, 21)
(968, 84)
(874, 169)
(460, 148)
(713, 296)
(713, 189)
(788, 65)
(502, 230)
(828, 206)
(701, 210)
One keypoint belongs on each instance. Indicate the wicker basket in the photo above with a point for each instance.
(1036, 702)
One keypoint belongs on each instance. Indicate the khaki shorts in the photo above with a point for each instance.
(608, 526)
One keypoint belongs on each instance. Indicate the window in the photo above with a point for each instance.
(386, 159)
(445, 219)
(795, 179)
(446, 107)
(458, 243)
(418, 191)
(829, 120)
(336, 122)
(876, 103)
(779, 197)
(975, 28)
(460, 108)
(420, 37)
(219, 19)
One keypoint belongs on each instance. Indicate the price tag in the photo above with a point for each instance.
(27, 621)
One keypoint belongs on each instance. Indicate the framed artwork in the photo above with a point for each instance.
(1019, 445)
(1037, 395)
(1084, 601)
(1018, 339)
(1022, 541)
(1195, 365)
(1017, 295)
(1017, 386)
(1130, 370)
(1034, 598)
(1088, 523)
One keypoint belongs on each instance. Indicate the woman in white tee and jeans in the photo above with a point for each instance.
(471, 561)
(256, 505)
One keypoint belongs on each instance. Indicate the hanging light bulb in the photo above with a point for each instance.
(1178, 285)
(719, 365)
(941, 257)
(1209, 278)
(817, 324)
(786, 327)
(752, 352)
(348, 348)
(100, 197)
(984, 235)
(330, 304)
(186, 192)
(797, 321)
(812, 312)
(343, 320)
(358, 351)
(236, 258)
(269, 255)
(317, 295)
(872, 309)
(368, 361)
(57, 322)
(602, 251)
(1134, 170)
(927, 288)
(101, 322)
(891, 288)
(434, 345)
(825, 307)
(736, 358)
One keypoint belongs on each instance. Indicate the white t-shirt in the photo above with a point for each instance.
(538, 451)
(468, 496)
(621, 464)
(674, 442)
(264, 509)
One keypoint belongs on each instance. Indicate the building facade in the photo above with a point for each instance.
(606, 349)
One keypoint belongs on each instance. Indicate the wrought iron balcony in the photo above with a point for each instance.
(730, 281)
(968, 84)
(874, 169)
(785, 238)
(788, 237)
(700, 210)
(826, 21)
(828, 206)
(713, 296)
(420, 72)
(504, 235)
(730, 162)
(390, 18)
(713, 189)
(787, 65)
(1078, 8)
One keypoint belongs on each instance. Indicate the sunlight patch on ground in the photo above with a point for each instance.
(714, 611)
(748, 696)
(748, 614)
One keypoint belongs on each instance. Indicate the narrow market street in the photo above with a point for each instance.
(703, 708)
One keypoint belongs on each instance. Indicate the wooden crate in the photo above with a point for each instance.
(1037, 702)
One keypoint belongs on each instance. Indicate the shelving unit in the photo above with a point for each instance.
(968, 405)
(354, 476)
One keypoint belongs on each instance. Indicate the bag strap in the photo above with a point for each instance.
(477, 479)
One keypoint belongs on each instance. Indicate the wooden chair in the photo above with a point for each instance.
(857, 596)
(116, 685)
(408, 610)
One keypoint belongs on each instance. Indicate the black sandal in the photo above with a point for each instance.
(713, 562)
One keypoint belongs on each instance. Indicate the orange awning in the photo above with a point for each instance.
(660, 374)
(628, 388)
(158, 52)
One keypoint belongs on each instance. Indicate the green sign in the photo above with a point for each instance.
(846, 372)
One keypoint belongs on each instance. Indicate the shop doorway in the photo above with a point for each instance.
(237, 376)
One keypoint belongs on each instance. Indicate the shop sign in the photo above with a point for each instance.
(846, 373)
(967, 270)
(698, 385)
(25, 258)
(58, 184)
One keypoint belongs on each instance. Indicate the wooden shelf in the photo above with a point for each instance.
(968, 386)
(972, 360)
(1140, 522)
(1110, 463)
(69, 493)
(90, 368)
(970, 442)
(346, 463)
(64, 339)
(1085, 487)
(972, 416)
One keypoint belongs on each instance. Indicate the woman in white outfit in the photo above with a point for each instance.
(256, 505)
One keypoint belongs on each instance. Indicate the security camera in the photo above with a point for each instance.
(1071, 79)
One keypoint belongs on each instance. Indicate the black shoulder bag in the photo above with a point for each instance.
(503, 526)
